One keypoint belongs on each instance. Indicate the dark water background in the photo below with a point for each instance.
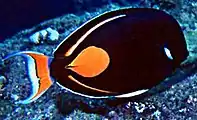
(16, 15)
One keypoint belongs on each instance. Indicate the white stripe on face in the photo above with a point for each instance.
(83, 26)
(70, 51)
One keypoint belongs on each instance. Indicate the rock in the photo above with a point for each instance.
(53, 35)
(2, 81)
(44, 34)
(112, 114)
(48, 35)
(35, 38)
(14, 96)
(139, 107)
(6, 107)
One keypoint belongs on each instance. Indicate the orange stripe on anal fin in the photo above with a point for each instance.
(91, 62)
(42, 72)
(88, 87)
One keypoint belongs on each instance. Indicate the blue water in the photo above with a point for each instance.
(16, 15)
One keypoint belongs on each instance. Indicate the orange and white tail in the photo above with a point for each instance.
(38, 72)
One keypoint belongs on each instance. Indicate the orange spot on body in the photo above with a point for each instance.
(91, 62)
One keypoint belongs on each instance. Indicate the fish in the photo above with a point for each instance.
(120, 54)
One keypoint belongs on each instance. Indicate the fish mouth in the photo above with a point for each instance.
(69, 66)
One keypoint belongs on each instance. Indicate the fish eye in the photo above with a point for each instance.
(168, 54)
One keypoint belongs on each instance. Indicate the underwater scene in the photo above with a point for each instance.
(98, 60)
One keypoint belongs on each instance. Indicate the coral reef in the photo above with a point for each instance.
(176, 102)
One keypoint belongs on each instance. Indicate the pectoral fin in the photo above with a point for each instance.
(91, 62)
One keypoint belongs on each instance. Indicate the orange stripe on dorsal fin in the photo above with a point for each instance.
(91, 62)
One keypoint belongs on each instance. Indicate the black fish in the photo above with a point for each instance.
(119, 54)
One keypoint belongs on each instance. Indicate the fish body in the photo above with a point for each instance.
(121, 53)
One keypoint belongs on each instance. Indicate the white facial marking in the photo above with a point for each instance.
(167, 51)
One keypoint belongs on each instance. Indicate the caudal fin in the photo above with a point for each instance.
(38, 72)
